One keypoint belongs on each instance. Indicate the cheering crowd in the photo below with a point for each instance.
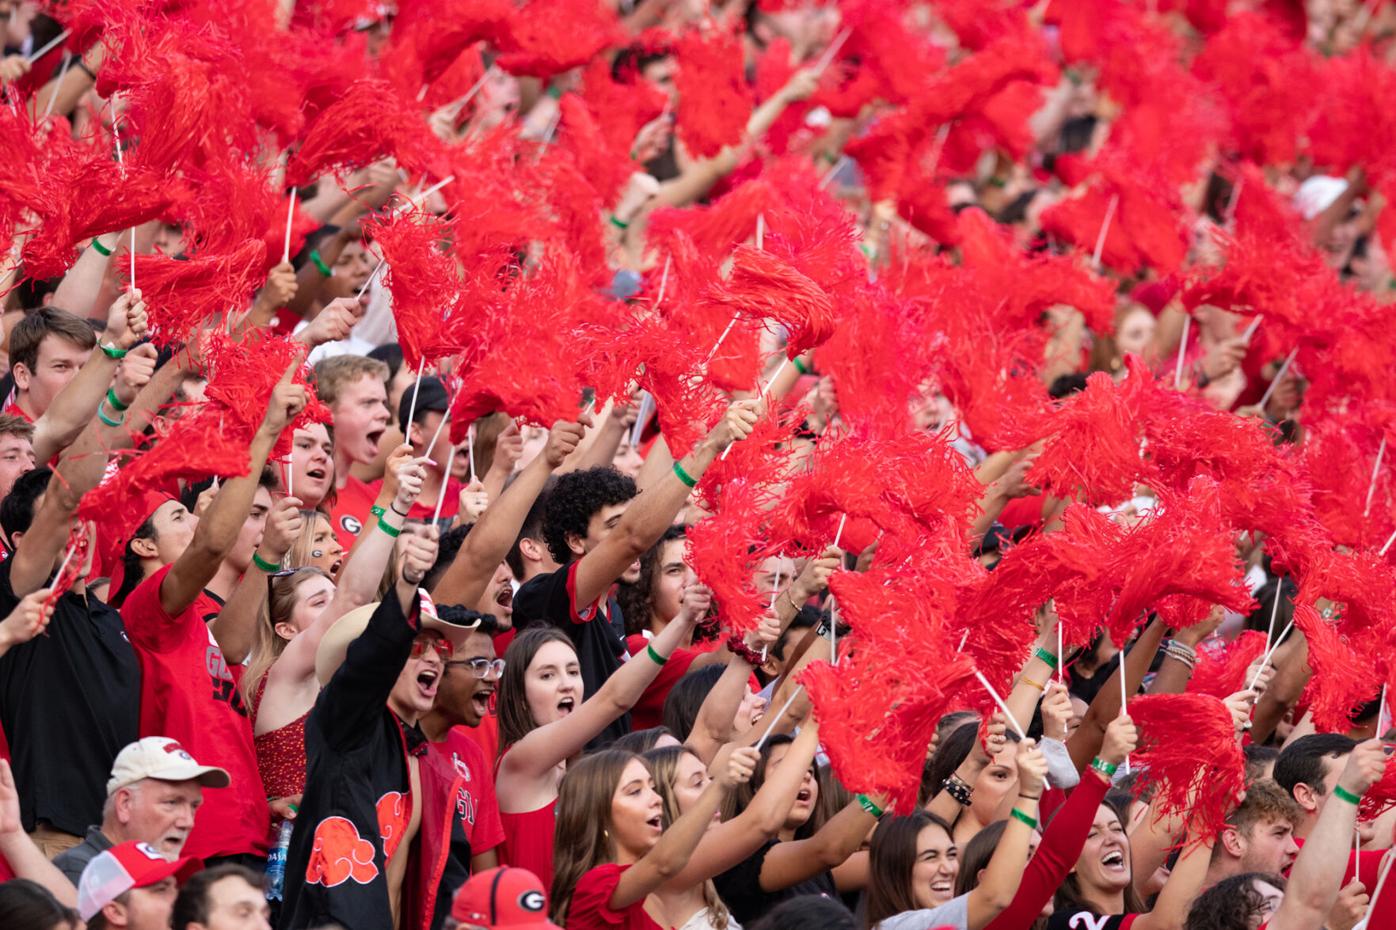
(879, 464)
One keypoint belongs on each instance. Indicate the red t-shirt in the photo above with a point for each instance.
(476, 804)
(485, 736)
(189, 693)
(649, 709)
(450, 504)
(591, 903)
(350, 511)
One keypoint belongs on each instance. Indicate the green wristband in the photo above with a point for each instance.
(376, 511)
(866, 803)
(1340, 792)
(617, 222)
(658, 659)
(1047, 657)
(99, 248)
(112, 352)
(684, 476)
(264, 565)
(1105, 768)
(799, 365)
(1028, 819)
(115, 402)
(319, 263)
(389, 528)
(101, 415)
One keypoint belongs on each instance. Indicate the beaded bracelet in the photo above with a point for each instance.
(957, 789)
(738, 647)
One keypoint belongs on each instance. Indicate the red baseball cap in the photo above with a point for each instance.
(503, 897)
(116, 871)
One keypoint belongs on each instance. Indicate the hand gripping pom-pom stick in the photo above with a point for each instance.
(764, 736)
(1279, 376)
(1012, 721)
(1372, 485)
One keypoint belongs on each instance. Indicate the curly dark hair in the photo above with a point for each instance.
(1232, 903)
(575, 499)
(637, 600)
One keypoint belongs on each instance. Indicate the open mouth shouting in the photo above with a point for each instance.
(504, 600)
(427, 680)
(1113, 860)
(480, 700)
(566, 706)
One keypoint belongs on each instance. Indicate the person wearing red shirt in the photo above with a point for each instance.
(354, 388)
(189, 689)
(47, 348)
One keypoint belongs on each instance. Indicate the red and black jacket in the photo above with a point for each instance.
(358, 799)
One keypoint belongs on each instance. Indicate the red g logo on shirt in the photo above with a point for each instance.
(339, 854)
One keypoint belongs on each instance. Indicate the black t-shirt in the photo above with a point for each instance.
(1078, 919)
(69, 701)
(740, 888)
(594, 633)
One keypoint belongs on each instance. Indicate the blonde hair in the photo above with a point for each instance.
(664, 765)
(276, 607)
(334, 374)
(582, 838)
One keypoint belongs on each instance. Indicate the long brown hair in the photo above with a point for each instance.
(664, 765)
(890, 861)
(582, 836)
(267, 646)
(1069, 897)
(515, 719)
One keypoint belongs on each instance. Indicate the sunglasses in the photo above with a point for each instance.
(483, 668)
(442, 648)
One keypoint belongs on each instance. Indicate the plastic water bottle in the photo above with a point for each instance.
(276, 861)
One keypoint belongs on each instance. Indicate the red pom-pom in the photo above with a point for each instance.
(1189, 755)
(1222, 670)
(549, 37)
(183, 293)
(424, 283)
(370, 121)
(715, 100)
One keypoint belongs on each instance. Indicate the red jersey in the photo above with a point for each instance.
(350, 511)
(648, 711)
(424, 508)
(476, 804)
(591, 903)
(189, 693)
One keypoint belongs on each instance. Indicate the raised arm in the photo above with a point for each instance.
(1317, 876)
(653, 510)
(996, 889)
(714, 724)
(676, 845)
(372, 550)
(76, 405)
(489, 540)
(219, 526)
(24, 858)
(546, 746)
(357, 693)
(790, 863)
(235, 627)
(82, 285)
(728, 843)
(1184, 883)
(1085, 742)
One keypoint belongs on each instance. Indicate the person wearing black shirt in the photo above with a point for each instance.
(597, 525)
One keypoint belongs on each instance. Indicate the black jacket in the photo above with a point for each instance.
(357, 793)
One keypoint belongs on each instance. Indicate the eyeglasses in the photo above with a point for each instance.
(483, 668)
(442, 647)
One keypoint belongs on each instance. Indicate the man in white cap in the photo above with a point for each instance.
(131, 886)
(154, 791)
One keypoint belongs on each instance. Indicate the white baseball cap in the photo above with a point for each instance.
(163, 758)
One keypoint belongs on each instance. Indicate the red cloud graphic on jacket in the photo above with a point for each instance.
(339, 854)
(392, 820)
